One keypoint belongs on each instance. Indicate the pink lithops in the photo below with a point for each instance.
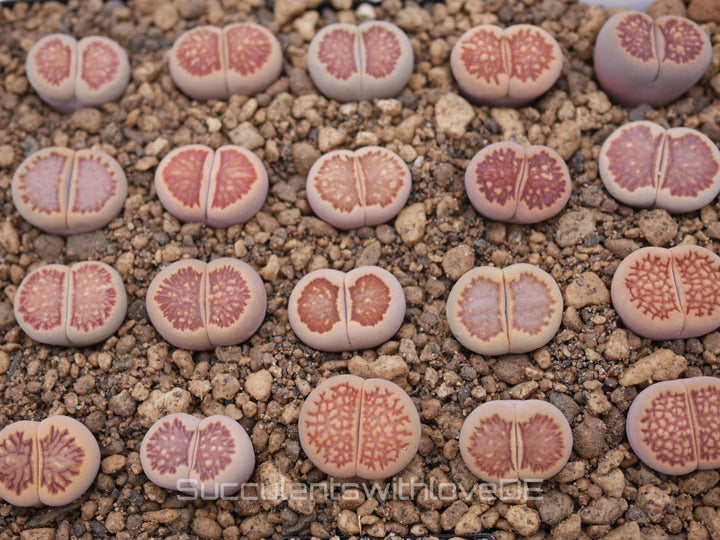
(513, 310)
(674, 427)
(644, 165)
(510, 66)
(641, 60)
(668, 293)
(507, 182)
(73, 306)
(352, 189)
(67, 73)
(349, 426)
(350, 63)
(198, 306)
(209, 458)
(515, 440)
(333, 311)
(221, 188)
(63, 191)
(52, 462)
(212, 63)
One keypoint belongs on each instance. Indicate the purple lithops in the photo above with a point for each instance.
(209, 458)
(67, 73)
(74, 306)
(497, 311)
(212, 63)
(351, 189)
(350, 63)
(506, 67)
(199, 306)
(63, 191)
(514, 439)
(333, 311)
(349, 426)
(641, 60)
(668, 293)
(50, 462)
(221, 188)
(644, 165)
(507, 182)
(673, 426)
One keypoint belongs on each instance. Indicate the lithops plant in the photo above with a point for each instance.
(51, 462)
(497, 311)
(350, 63)
(67, 73)
(362, 188)
(221, 188)
(74, 306)
(513, 439)
(212, 63)
(349, 426)
(506, 67)
(209, 458)
(644, 165)
(198, 306)
(668, 293)
(333, 311)
(673, 426)
(507, 182)
(63, 191)
(641, 60)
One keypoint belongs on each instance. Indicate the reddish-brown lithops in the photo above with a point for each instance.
(641, 60)
(349, 426)
(513, 310)
(644, 165)
(212, 63)
(333, 311)
(199, 306)
(221, 188)
(507, 182)
(209, 458)
(51, 462)
(508, 66)
(67, 73)
(668, 293)
(63, 191)
(74, 306)
(350, 63)
(512, 439)
(674, 426)
(351, 189)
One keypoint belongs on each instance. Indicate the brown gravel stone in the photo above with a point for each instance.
(453, 114)
(89, 120)
(699, 482)
(603, 511)
(586, 290)
(574, 227)
(457, 261)
(410, 223)
(259, 384)
(555, 507)
(524, 520)
(658, 227)
(206, 528)
(654, 502)
(704, 11)
(661, 365)
(589, 437)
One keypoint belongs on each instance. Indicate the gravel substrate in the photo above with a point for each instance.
(591, 370)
